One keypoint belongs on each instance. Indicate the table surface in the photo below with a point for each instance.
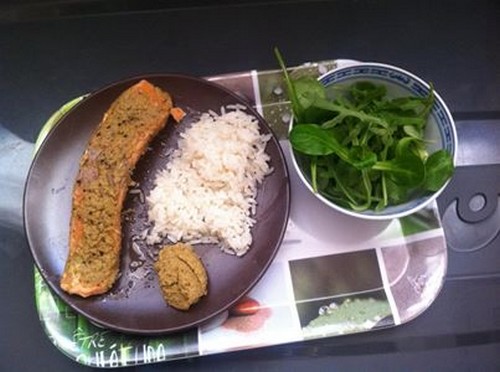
(52, 51)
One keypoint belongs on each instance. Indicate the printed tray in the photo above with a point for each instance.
(333, 274)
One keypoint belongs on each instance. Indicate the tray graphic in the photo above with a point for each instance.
(333, 274)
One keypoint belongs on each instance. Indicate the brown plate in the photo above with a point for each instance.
(135, 304)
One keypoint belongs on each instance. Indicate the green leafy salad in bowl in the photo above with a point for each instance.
(371, 140)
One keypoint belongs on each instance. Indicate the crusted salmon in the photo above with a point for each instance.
(116, 145)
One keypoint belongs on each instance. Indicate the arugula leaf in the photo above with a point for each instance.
(364, 93)
(325, 104)
(297, 112)
(361, 157)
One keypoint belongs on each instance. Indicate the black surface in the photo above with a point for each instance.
(454, 44)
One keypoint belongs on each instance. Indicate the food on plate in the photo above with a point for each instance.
(362, 149)
(207, 192)
(182, 276)
(177, 113)
(126, 129)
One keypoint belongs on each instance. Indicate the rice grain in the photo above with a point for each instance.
(207, 192)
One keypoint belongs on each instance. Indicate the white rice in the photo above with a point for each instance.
(207, 192)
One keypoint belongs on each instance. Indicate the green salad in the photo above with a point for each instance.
(363, 150)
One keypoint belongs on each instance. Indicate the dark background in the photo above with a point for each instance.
(52, 51)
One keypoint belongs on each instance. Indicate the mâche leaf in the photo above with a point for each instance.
(404, 170)
(307, 90)
(438, 168)
(312, 139)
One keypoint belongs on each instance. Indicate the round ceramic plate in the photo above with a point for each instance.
(135, 303)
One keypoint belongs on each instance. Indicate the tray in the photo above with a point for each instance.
(333, 274)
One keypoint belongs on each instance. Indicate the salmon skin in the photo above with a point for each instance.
(104, 176)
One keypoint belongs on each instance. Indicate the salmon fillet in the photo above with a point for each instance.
(116, 145)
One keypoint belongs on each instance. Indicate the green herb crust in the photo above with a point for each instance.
(102, 182)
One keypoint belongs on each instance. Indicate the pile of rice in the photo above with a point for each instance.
(207, 192)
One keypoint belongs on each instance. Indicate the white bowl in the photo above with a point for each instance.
(440, 130)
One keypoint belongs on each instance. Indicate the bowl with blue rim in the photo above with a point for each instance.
(371, 140)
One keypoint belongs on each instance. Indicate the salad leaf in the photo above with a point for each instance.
(362, 149)
(438, 169)
(312, 139)
(292, 94)
(406, 168)
(308, 90)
